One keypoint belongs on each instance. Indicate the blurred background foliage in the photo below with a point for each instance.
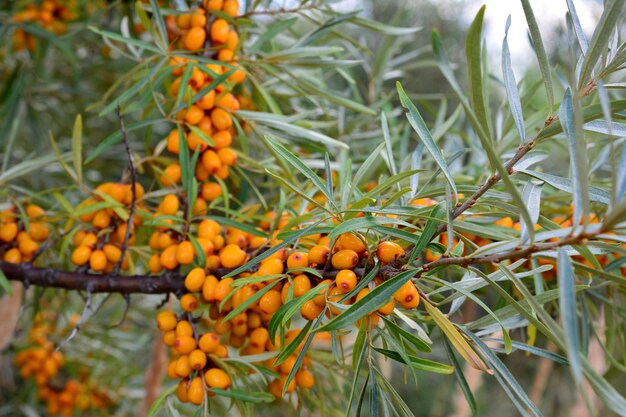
(338, 92)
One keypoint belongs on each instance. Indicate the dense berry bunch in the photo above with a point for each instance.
(52, 15)
(63, 396)
(21, 234)
(99, 244)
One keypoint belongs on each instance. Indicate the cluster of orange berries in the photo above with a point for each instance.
(243, 324)
(43, 364)
(52, 15)
(100, 244)
(192, 358)
(20, 240)
(207, 123)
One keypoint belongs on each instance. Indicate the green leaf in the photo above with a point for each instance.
(512, 94)
(297, 163)
(158, 403)
(271, 32)
(372, 301)
(383, 28)
(418, 343)
(567, 304)
(5, 287)
(436, 217)
(580, 34)
(256, 296)
(569, 115)
(255, 397)
(418, 363)
(600, 39)
(458, 341)
(418, 124)
(293, 345)
(459, 373)
(59, 157)
(540, 51)
(473, 51)
(116, 137)
(77, 148)
(595, 193)
(126, 41)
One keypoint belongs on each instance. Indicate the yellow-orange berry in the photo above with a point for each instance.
(301, 285)
(195, 280)
(81, 255)
(210, 191)
(169, 205)
(197, 359)
(13, 256)
(194, 38)
(304, 378)
(182, 368)
(318, 255)
(346, 280)
(8, 231)
(112, 252)
(219, 31)
(209, 342)
(310, 310)
(216, 378)
(185, 253)
(232, 256)
(181, 391)
(270, 302)
(223, 288)
(185, 344)
(195, 393)
(189, 303)
(221, 119)
(350, 241)
(168, 257)
(208, 288)
(166, 321)
(171, 175)
(298, 260)
(231, 7)
(407, 296)
(388, 251)
(345, 259)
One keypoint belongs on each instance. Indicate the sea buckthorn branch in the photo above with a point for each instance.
(133, 200)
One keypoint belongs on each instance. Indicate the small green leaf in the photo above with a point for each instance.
(77, 148)
(418, 363)
(510, 85)
(567, 304)
(255, 397)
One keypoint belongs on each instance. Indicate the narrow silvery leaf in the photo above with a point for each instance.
(387, 138)
(418, 124)
(532, 197)
(621, 176)
(600, 39)
(596, 194)
(416, 161)
(572, 126)
(540, 51)
(580, 35)
(567, 304)
(511, 86)
(606, 128)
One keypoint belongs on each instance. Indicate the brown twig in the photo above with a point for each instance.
(133, 190)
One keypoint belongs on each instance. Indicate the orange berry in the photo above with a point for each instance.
(210, 191)
(195, 280)
(182, 367)
(169, 338)
(168, 257)
(197, 359)
(81, 255)
(231, 7)
(270, 302)
(101, 220)
(189, 303)
(346, 280)
(208, 229)
(225, 55)
(219, 31)
(211, 161)
(13, 256)
(213, 4)
(271, 266)
(227, 156)
(113, 253)
(209, 342)
(350, 241)
(33, 211)
(39, 231)
(388, 308)
(185, 253)
(222, 139)
(194, 115)
(345, 259)
(221, 119)
(298, 260)
(389, 251)
(171, 175)
(362, 293)
(28, 247)
(232, 256)
(232, 41)
(166, 321)
(301, 285)
(407, 296)
(184, 21)
(169, 205)
(194, 38)
(208, 288)
(154, 264)
(184, 328)
(185, 344)
(304, 378)
(223, 288)
(181, 391)
(216, 378)
(8, 231)
(259, 337)
(310, 310)
(198, 19)
(195, 392)
(207, 101)
(318, 255)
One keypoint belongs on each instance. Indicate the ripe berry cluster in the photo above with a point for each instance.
(63, 396)
(22, 235)
(99, 243)
(52, 15)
